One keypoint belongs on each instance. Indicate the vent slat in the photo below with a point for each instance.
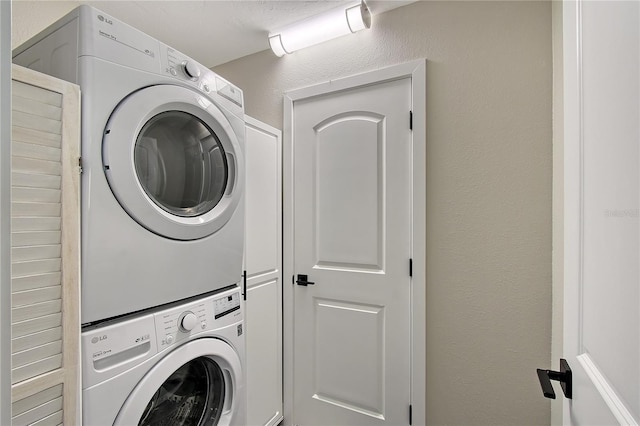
(35, 195)
(29, 341)
(26, 224)
(36, 107)
(23, 328)
(36, 238)
(37, 413)
(29, 403)
(21, 254)
(35, 267)
(53, 420)
(40, 152)
(31, 165)
(21, 134)
(37, 310)
(30, 121)
(38, 295)
(35, 281)
(36, 354)
(28, 91)
(33, 180)
(34, 369)
(35, 209)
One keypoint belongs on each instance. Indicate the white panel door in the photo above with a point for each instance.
(263, 261)
(602, 134)
(352, 239)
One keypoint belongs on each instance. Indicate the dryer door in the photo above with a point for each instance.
(173, 161)
(197, 384)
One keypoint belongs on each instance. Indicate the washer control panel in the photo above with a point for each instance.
(226, 305)
(180, 322)
(113, 347)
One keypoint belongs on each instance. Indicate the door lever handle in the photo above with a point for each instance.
(563, 376)
(302, 280)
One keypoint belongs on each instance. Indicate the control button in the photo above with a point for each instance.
(173, 71)
(187, 321)
(203, 325)
(169, 339)
(206, 88)
(192, 71)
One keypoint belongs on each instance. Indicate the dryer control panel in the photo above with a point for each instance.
(183, 68)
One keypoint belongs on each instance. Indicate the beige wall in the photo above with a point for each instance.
(489, 109)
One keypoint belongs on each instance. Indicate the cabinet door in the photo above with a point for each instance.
(45, 247)
(263, 261)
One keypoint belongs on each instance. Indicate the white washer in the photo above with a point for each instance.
(177, 365)
(162, 160)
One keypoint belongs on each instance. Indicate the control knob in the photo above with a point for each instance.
(187, 321)
(191, 70)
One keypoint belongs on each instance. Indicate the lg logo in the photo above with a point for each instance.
(103, 19)
(99, 338)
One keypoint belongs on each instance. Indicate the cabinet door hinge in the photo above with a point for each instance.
(410, 120)
(411, 267)
(79, 164)
(410, 414)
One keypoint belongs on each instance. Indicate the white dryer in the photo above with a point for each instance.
(181, 365)
(162, 160)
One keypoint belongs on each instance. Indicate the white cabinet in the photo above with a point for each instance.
(263, 263)
(45, 249)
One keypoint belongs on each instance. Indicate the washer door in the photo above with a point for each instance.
(173, 162)
(195, 385)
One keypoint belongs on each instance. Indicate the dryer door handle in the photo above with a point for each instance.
(303, 280)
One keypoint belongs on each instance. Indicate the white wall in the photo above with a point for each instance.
(31, 17)
(5, 212)
(489, 151)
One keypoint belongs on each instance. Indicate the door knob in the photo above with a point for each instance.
(563, 376)
(302, 280)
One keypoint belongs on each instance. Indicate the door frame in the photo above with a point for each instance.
(416, 70)
(5, 213)
(570, 221)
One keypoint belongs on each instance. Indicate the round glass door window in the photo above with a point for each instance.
(192, 396)
(181, 164)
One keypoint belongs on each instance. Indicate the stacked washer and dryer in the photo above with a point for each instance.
(162, 224)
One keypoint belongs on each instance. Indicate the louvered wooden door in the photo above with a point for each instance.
(45, 260)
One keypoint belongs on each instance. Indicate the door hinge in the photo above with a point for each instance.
(410, 120)
(411, 267)
(244, 285)
(79, 164)
(410, 414)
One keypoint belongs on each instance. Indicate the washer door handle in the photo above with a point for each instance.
(303, 280)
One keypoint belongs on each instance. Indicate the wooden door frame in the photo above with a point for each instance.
(416, 70)
(5, 212)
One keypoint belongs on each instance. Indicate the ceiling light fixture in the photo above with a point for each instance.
(320, 28)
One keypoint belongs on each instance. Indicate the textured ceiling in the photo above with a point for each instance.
(212, 32)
